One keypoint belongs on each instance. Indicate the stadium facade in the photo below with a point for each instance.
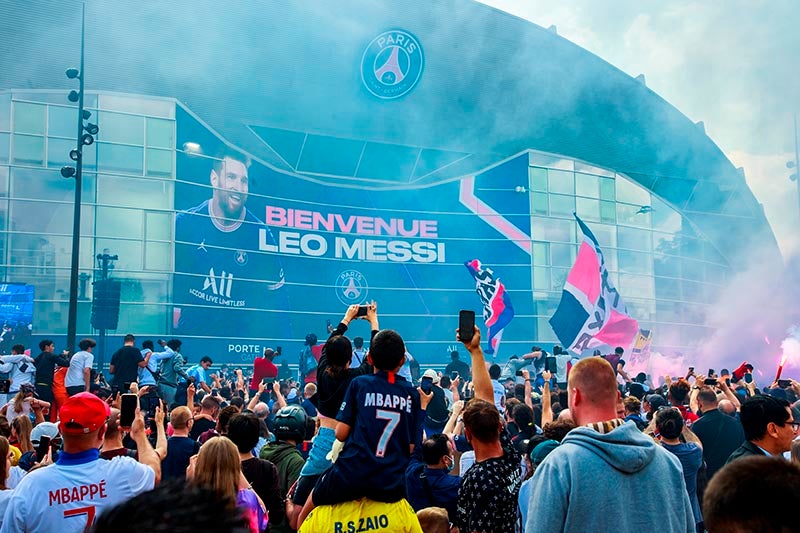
(387, 142)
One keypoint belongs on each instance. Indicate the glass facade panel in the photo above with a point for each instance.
(664, 217)
(28, 150)
(635, 262)
(588, 210)
(134, 192)
(130, 254)
(159, 162)
(48, 184)
(137, 105)
(119, 128)
(158, 256)
(58, 152)
(606, 235)
(558, 277)
(5, 112)
(29, 118)
(608, 213)
(158, 226)
(120, 222)
(541, 278)
(545, 332)
(5, 150)
(632, 215)
(587, 185)
(62, 121)
(561, 255)
(538, 178)
(562, 205)
(540, 203)
(634, 239)
(631, 193)
(541, 253)
(636, 286)
(668, 288)
(120, 158)
(56, 219)
(561, 181)
(608, 189)
(553, 230)
(160, 133)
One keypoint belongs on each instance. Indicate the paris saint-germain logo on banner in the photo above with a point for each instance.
(392, 64)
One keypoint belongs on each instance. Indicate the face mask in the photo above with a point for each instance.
(452, 464)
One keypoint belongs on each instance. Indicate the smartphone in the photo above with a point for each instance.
(466, 325)
(328, 322)
(278, 350)
(42, 447)
(362, 310)
(784, 383)
(453, 375)
(710, 372)
(748, 378)
(550, 364)
(214, 392)
(691, 369)
(426, 384)
(5, 384)
(709, 381)
(127, 410)
(519, 373)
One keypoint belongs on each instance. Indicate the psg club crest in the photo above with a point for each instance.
(392, 64)
(351, 287)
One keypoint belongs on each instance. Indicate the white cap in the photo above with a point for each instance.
(431, 373)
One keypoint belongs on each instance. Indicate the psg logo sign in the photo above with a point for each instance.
(351, 287)
(392, 64)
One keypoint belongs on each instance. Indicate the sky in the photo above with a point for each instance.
(732, 64)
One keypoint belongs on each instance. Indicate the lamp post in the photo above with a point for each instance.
(84, 138)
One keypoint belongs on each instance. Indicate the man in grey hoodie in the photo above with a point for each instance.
(588, 482)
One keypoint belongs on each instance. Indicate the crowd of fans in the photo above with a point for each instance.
(362, 440)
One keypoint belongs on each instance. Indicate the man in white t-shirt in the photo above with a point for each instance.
(19, 367)
(67, 497)
(78, 378)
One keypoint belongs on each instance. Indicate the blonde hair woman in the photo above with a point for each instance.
(5, 470)
(218, 468)
(21, 428)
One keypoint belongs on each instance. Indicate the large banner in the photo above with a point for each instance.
(262, 258)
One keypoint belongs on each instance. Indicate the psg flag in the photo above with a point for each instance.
(591, 312)
(497, 308)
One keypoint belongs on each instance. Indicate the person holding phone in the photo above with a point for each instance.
(87, 486)
(335, 372)
(263, 370)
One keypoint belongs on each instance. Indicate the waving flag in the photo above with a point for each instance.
(591, 312)
(497, 308)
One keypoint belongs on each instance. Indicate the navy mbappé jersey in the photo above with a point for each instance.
(222, 279)
(385, 419)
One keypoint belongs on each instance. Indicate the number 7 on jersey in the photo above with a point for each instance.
(392, 421)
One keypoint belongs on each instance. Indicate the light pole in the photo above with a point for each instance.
(84, 138)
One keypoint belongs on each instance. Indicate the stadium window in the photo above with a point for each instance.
(608, 189)
(61, 121)
(541, 278)
(58, 152)
(588, 210)
(541, 253)
(120, 158)
(587, 185)
(28, 150)
(159, 162)
(635, 262)
(562, 205)
(160, 133)
(561, 255)
(631, 193)
(29, 118)
(608, 213)
(120, 128)
(5, 139)
(119, 222)
(5, 112)
(561, 181)
(540, 203)
(538, 179)
(634, 239)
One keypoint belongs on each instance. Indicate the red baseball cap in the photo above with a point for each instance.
(83, 413)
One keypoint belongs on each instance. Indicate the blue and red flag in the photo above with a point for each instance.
(497, 308)
(591, 312)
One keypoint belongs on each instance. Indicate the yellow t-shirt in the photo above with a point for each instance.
(17, 454)
(362, 516)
